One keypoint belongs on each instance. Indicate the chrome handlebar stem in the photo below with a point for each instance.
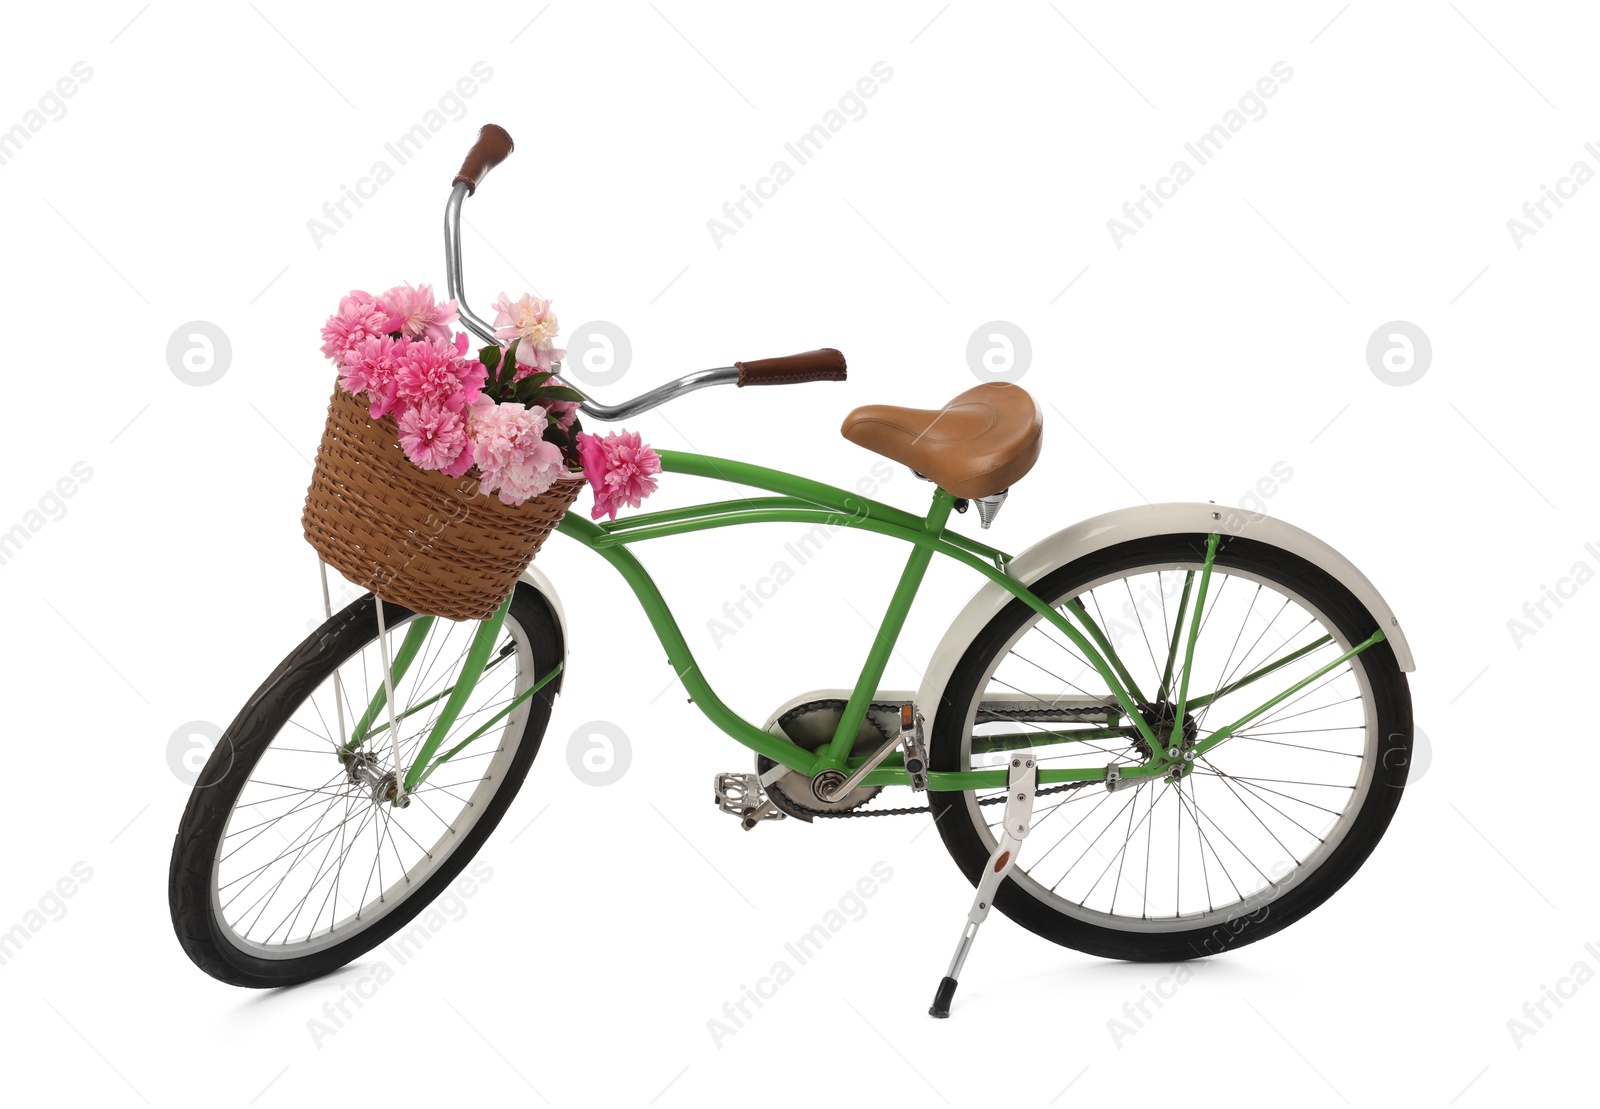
(452, 265)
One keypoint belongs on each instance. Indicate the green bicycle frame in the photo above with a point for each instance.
(801, 500)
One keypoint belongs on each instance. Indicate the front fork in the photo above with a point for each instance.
(397, 785)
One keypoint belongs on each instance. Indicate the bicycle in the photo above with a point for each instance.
(1215, 703)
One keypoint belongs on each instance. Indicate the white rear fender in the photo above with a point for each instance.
(1142, 522)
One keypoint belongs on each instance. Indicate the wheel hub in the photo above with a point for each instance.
(1176, 751)
(362, 768)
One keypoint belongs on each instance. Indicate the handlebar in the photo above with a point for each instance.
(492, 147)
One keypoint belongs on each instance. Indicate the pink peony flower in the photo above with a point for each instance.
(435, 438)
(413, 313)
(620, 469)
(359, 317)
(439, 372)
(565, 411)
(509, 449)
(369, 367)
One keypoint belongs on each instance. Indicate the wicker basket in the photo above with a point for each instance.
(416, 537)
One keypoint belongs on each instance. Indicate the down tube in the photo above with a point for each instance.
(679, 655)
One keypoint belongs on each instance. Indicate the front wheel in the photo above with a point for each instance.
(1255, 832)
(289, 861)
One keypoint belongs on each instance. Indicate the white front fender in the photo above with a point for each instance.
(1143, 522)
(536, 579)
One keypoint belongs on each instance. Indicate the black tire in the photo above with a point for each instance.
(247, 739)
(1391, 697)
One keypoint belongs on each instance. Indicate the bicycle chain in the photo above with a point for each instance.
(832, 815)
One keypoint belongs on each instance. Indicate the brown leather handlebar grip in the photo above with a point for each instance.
(489, 151)
(826, 364)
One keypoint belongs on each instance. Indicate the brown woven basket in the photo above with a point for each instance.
(415, 537)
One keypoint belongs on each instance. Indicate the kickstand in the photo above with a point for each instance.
(1022, 782)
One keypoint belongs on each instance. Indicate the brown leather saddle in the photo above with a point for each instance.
(975, 446)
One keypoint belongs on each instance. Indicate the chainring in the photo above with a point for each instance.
(811, 726)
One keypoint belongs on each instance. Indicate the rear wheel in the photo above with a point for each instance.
(288, 862)
(1266, 825)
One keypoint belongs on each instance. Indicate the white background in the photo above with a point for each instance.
(1227, 335)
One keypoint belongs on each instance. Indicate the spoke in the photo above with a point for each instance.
(1263, 671)
(1263, 823)
(1057, 677)
(313, 795)
(265, 899)
(1122, 855)
(1149, 843)
(1144, 822)
(1307, 712)
(1200, 836)
(1250, 650)
(316, 880)
(1329, 680)
(1104, 797)
(1297, 746)
(1160, 592)
(1194, 811)
(1256, 791)
(1096, 840)
(1236, 847)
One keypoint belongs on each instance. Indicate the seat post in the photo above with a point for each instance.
(855, 710)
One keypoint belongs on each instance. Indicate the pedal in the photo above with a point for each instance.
(1022, 783)
(916, 751)
(742, 795)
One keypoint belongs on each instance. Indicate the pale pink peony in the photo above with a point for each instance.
(435, 438)
(509, 449)
(532, 360)
(413, 313)
(437, 371)
(359, 317)
(530, 320)
(620, 469)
